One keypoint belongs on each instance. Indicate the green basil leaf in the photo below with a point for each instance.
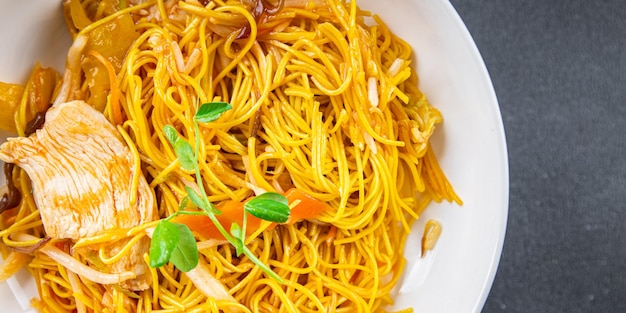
(269, 206)
(171, 134)
(185, 254)
(164, 240)
(239, 236)
(186, 155)
(209, 112)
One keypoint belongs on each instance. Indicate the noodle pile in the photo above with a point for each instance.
(322, 102)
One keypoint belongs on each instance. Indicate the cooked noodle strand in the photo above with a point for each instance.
(323, 99)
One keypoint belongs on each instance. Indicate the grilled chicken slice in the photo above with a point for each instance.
(81, 172)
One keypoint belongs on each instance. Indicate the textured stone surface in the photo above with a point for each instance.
(559, 71)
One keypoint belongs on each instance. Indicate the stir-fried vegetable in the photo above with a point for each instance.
(12, 263)
(20, 104)
(302, 206)
(10, 95)
(107, 42)
(174, 242)
(110, 40)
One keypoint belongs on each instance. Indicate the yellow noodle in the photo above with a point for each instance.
(301, 80)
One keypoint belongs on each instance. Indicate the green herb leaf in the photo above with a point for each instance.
(269, 206)
(171, 134)
(183, 203)
(272, 196)
(200, 201)
(239, 236)
(185, 254)
(214, 209)
(164, 240)
(185, 154)
(174, 242)
(196, 199)
(209, 112)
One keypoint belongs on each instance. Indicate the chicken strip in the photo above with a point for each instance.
(81, 172)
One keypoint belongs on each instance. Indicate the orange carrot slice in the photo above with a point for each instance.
(307, 207)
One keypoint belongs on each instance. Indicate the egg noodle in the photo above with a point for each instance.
(324, 100)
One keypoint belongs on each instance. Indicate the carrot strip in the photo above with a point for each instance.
(116, 111)
(330, 236)
(307, 207)
(232, 212)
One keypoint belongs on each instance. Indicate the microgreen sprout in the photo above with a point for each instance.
(174, 242)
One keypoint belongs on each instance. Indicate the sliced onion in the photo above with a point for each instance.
(73, 265)
(395, 67)
(75, 283)
(372, 91)
(209, 285)
(178, 56)
(31, 248)
(210, 243)
(193, 60)
(71, 76)
(252, 184)
(371, 143)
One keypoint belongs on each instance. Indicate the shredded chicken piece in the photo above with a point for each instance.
(81, 172)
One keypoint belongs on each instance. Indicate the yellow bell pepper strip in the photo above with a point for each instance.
(78, 15)
(20, 104)
(41, 88)
(110, 40)
(10, 95)
(116, 111)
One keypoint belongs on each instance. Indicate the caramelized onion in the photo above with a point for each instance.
(261, 9)
(31, 248)
(74, 265)
(208, 284)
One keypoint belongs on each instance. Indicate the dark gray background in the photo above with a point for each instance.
(559, 71)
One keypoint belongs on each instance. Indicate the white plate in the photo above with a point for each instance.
(457, 275)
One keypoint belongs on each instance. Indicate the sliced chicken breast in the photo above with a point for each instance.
(81, 172)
